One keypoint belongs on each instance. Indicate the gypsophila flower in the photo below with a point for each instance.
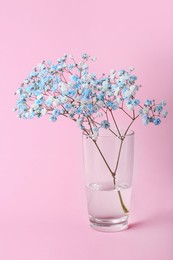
(69, 89)
(105, 124)
(157, 121)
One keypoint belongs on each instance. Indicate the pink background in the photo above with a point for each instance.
(43, 214)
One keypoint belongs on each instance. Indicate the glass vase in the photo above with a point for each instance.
(108, 168)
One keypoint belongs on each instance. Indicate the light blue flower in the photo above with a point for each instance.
(114, 106)
(164, 114)
(145, 119)
(157, 121)
(121, 72)
(86, 93)
(133, 78)
(109, 104)
(70, 66)
(74, 78)
(71, 93)
(148, 102)
(68, 106)
(53, 118)
(84, 56)
(163, 103)
(105, 124)
(55, 112)
(159, 108)
(54, 87)
(49, 101)
(39, 101)
(136, 102)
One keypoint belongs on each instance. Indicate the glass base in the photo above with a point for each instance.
(109, 224)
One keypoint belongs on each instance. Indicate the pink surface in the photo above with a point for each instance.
(43, 213)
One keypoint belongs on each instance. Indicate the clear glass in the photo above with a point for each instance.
(108, 167)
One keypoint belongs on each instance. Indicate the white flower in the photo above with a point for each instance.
(64, 99)
(55, 102)
(80, 65)
(94, 99)
(18, 91)
(43, 111)
(130, 107)
(40, 96)
(116, 91)
(112, 71)
(100, 114)
(94, 136)
(145, 110)
(100, 103)
(85, 85)
(89, 76)
(33, 106)
(71, 56)
(104, 86)
(112, 76)
(85, 66)
(93, 58)
(72, 111)
(131, 68)
(50, 98)
(27, 115)
(119, 100)
(133, 89)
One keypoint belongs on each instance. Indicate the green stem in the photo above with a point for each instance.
(122, 203)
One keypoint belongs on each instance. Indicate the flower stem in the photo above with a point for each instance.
(114, 174)
(122, 203)
(118, 159)
(103, 157)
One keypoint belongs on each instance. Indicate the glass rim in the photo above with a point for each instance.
(129, 133)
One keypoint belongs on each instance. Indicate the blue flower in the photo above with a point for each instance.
(121, 72)
(39, 101)
(148, 102)
(157, 121)
(71, 93)
(79, 110)
(164, 114)
(54, 88)
(101, 96)
(71, 66)
(53, 118)
(133, 78)
(114, 106)
(74, 78)
(163, 103)
(84, 56)
(151, 119)
(86, 93)
(38, 92)
(77, 85)
(136, 102)
(105, 124)
(56, 112)
(109, 104)
(49, 101)
(67, 106)
(159, 108)
(57, 79)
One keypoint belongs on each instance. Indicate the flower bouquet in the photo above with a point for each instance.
(68, 89)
